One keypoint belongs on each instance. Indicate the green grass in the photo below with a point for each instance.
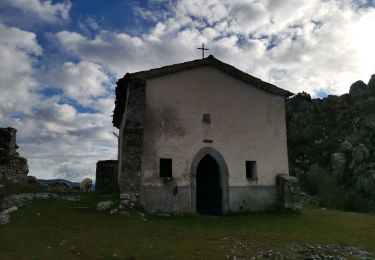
(58, 230)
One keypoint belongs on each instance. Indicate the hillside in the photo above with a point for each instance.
(331, 145)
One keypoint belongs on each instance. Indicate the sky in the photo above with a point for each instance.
(60, 60)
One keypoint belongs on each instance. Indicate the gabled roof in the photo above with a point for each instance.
(209, 61)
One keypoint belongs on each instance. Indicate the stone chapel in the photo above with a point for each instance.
(200, 137)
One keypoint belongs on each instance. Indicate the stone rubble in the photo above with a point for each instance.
(4, 218)
(10, 210)
(104, 205)
(128, 199)
(113, 211)
(301, 251)
(310, 199)
(11, 203)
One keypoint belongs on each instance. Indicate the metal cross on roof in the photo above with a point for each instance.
(203, 49)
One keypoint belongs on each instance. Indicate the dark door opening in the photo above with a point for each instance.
(209, 192)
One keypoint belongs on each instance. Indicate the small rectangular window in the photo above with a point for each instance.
(251, 169)
(165, 168)
(206, 118)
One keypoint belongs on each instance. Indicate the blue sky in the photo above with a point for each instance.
(61, 59)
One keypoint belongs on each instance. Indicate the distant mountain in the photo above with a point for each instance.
(331, 146)
(53, 182)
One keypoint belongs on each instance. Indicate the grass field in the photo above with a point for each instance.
(62, 230)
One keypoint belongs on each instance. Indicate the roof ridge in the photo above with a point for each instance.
(174, 68)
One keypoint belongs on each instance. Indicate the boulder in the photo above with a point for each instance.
(113, 211)
(10, 210)
(104, 205)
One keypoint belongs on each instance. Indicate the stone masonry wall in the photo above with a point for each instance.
(13, 168)
(288, 192)
(129, 178)
(106, 176)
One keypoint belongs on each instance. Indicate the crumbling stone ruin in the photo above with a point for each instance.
(13, 168)
(106, 176)
(288, 192)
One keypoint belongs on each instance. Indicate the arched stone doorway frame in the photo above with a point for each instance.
(224, 176)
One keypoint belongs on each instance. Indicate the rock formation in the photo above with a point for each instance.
(13, 168)
(337, 135)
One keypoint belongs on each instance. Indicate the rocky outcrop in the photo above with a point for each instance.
(337, 133)
(13, 168)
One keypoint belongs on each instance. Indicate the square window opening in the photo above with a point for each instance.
(165, 168)
(251, 169)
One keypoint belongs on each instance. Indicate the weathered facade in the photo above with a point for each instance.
(13, 168)
(200, 136)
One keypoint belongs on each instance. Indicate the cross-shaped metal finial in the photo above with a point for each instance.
(203, 49)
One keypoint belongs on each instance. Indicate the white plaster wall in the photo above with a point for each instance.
(246, 124)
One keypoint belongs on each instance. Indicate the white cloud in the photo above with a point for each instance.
(56, 138)
(18, 50)
(81, 82)
(263, 38)
(43, 10)
(120, 53)
(61, 142)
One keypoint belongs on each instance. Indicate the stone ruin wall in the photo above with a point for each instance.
(288, 192)
(107, 176)
(13, 168)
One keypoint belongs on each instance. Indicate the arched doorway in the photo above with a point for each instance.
(209, 196)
